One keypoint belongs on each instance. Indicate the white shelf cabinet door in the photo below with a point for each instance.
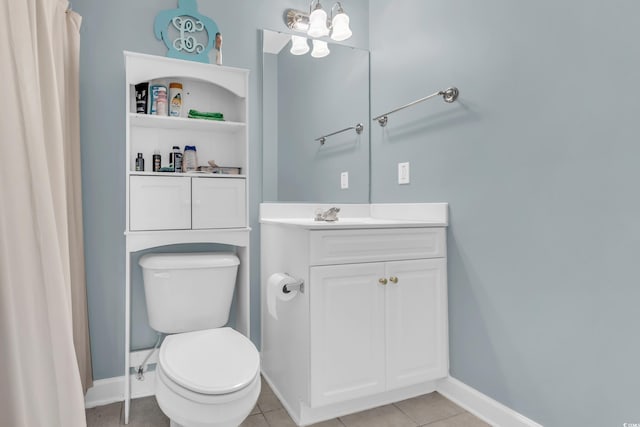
(159, 203)
(218, 203)
(416, 322)
(347, 332)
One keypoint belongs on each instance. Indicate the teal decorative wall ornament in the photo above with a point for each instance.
(186, 33)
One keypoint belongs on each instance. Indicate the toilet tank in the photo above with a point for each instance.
(188, 291)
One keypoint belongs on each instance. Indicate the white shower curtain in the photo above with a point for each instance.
(42, 294)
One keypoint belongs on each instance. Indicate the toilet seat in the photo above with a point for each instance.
(210, 362)
(186, 408)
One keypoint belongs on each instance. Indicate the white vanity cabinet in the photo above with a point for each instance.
(174, 208)
(370, 327)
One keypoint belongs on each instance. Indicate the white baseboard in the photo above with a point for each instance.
(481, 405)
(104, 392)
(111, 390)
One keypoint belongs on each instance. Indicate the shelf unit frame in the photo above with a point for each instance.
(236, 81)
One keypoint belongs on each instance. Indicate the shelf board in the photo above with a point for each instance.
(182, 123)
(190, 174)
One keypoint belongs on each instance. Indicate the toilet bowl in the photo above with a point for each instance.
(208, 378)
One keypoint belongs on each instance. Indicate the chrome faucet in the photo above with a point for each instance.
(329, 215)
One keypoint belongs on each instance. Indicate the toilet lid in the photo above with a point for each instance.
(213, 361)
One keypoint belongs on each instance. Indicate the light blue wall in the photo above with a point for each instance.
(318, 96)
(108, 28)
(539, 162)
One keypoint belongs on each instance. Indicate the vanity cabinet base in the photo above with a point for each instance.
(371, 341)
(304, 415)
(369, 327)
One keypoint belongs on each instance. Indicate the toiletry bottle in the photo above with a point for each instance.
(190, 158)
(157, 162)
(161, 102)
(139, 163)
(177, 159)
(142, 96)
(155, 92)
(218, 45)
(175, 99)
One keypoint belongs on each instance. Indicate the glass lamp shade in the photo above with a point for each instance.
(341, 30)
(299, 45)
(318, 23)
(320, 49)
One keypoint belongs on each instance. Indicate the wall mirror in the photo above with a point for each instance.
(304, 99)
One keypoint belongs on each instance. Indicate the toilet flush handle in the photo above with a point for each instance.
(161, 275)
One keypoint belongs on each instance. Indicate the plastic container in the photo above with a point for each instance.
(155, 92)
(190, 159)
(172, 166)
(161, 102)
(139, 163)
(177, 159)
(157, 162)
(142, 96)
(175, 99)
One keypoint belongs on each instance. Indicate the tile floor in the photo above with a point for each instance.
(431, 410)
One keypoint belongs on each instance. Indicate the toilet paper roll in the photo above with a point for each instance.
(275, 285)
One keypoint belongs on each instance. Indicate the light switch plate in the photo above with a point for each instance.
(344, 180)
(403, 173)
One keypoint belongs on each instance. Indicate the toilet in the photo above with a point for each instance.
(207, 375)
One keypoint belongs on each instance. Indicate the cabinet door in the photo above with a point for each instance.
(218, 203)
(159, 203)
(347, 332)
(416, 322)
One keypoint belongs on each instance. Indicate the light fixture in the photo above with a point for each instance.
(320, 49)
(299, 45)
(316, 24)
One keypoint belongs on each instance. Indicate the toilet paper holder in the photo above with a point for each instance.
(297, 285)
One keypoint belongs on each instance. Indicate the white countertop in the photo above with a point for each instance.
(357, 216)
(351, 223)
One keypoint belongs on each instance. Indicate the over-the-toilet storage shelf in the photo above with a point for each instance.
(165, 208)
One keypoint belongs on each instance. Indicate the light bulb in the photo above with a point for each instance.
(320, 49)
(299, 45)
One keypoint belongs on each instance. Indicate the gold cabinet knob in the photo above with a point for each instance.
(382, 281)
(393, 279)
